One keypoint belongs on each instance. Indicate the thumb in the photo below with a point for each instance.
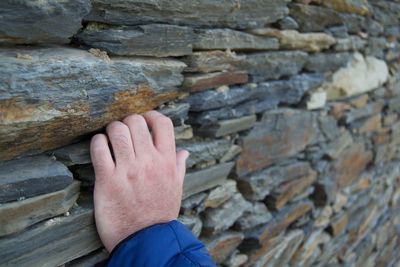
(181, 157)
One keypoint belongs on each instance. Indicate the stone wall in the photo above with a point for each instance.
(290, 110)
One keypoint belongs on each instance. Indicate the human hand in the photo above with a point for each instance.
(143, 186)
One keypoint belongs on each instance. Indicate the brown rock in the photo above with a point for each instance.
(372, 124)
(221, 246)
(288, 190)
(359, 7)
(220, 194)
(200, 82)
(338, 225)
(52, 108)
(352, 162)
(281, 133)
(338, 109)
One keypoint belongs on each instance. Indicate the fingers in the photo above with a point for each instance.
(140, 135)
(121, 142)
(101, 156)
(162, 131)
(181, 157)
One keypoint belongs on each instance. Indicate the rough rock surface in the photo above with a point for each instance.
(32, 22)
(42, 98)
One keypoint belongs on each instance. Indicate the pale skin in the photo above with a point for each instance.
(142, 185)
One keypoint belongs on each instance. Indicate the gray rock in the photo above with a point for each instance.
(353, 22)
(177, 112)
(91, 259)
(107, 90)
(52, 242)
(32, 22)
(32, 176)
(273, 65)
(74, 154)
(211, 39)
(199, 181)
(159, 40)
(221, 218)
(256, 215)
(204, 151)
(338, 31)
(221, 246)
(352, 43)
(227, 127)
(194, 203)
(15, 216)
(314, 18)
(257, 186)
(246, 14)
(193, 223)
(324, 62)
(376, 46)
(288, 23)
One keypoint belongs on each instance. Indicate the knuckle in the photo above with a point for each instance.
(165, 122)
(135, 120)
(120, 140)
(115, 127)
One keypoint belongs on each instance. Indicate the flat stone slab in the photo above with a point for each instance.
(198, 181)
(282, 133)
(211, 61)
(15, 216)
(227, 127)
(52, 242)
(200, 82)
(223, 39)
(32, 22)
(44, 95)
(246, 14)
(158, 40)
(32, 176)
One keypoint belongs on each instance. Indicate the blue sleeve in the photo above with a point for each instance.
(169, 244)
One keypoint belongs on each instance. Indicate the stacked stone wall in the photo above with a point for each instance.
(290, 110)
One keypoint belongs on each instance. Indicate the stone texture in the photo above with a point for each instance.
(203, 152)
(314, 18)
(326, 62)
(258, 185)
(221, 246)
(281, 133)
(177, 112)
(193, 223)
(159, 40)
(352, 43)
(220, 219)
(15, 216)
(257, 215)
(220, 194)
(360, 76)
(273, 65)
(32, 22)
(247, 14)
(90, 260)
(338, 225)
(350, 164)
(32, 106)
(226, 127)
(52, 242)
(316, 100)
(32, 176)
(73, 154)
(213, 39)
(211, 61)
(199, 181)
(200, 82)
(360, 7)
(289, 190)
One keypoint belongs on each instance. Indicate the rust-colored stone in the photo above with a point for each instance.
(200, 82)
(221, 246)
(350, 164)
(338, 108)
(338, 225)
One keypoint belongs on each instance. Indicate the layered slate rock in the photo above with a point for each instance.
(15, 216)
(32, 176)
(49, 243)
(360, 7)
(200, 82)
(314, 18)
(318, 62)
(227, 127)
(44, 96)
(32, 22)
(281, 133)
(221, 246)
(212, 39)
(202, 180)
(273, 65)
(246, 14)
(211, 61)
(360, 76)
(159, 40)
